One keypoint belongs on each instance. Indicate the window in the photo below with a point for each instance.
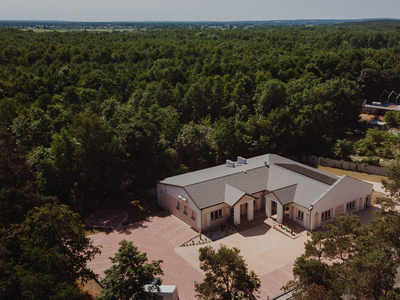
(255, 203)
(184, 210)
(326, 215)
(193, 215)
(216, 214)
(351, 205)
(232, 212)
(300, 215)
(178, 205)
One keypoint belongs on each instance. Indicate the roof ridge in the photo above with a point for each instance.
(211, 179)
(284, 187)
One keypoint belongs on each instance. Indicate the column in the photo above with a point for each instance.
(250, 210)
(267, 207)
(236, 214)
(279, 212)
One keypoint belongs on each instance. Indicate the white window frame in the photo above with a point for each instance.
(178, 205)
(326, 215)
(193, 215)
(351, 205)
(185, 209)
(300, 215)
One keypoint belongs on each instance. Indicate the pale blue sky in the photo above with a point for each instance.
(196, 10)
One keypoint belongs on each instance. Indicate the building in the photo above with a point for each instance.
(267, 185)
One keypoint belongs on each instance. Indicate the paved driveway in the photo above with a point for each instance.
(157, 237)
(269, 253)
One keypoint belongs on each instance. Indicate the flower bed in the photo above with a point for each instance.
(287, 231)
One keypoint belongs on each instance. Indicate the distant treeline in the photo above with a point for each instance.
(97, 116)
(72, 25)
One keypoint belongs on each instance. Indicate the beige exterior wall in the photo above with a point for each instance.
(293, 214)
(168, 199)
(206, 213)
(347, 190)
(259, 200)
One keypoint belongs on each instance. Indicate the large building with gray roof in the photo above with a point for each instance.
(263, 186)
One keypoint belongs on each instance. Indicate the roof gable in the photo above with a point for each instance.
(285, 195)
(232, 194)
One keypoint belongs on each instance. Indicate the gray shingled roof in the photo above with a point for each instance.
(309, 173)
(208, 187)
(212, 192)
(286, 195)
(232, 194)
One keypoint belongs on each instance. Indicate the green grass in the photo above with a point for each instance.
(357, 175)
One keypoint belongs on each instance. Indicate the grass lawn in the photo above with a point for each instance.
(91, 288)
(358, 175)
(375, 195)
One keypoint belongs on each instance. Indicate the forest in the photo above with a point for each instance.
(96, 116)
(89, 119)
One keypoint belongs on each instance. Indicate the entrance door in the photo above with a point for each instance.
(273, 208)
(366, 202)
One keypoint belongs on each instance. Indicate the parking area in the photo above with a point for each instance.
(158, 237)
(269, 253)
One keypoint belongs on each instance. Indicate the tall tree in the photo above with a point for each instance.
(226, 275)
(131, 277)
(19, 191)
(349, 259)
(45, 255)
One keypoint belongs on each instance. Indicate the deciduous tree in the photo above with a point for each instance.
(226, 275)
(131, 277)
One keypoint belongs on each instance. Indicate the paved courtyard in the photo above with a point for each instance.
(269, 253)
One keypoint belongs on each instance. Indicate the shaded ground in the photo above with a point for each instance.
(107, 219)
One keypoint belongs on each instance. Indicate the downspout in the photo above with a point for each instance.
(309, 210)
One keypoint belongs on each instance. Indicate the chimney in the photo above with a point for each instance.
(241, 160)
(230, 163)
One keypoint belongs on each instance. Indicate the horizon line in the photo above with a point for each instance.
(201, 21)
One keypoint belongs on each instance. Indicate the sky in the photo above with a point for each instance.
(196, 10)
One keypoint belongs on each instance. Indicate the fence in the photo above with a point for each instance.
(345, 165)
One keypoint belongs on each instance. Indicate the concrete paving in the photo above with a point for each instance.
(157, 237)
(268, 252)
(377, 186)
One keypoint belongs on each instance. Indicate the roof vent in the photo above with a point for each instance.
(241, 160)
(230, 163)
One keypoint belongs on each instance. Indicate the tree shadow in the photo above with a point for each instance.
(256, 231)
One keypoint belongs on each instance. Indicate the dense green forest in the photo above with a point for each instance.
(96, 116)
(91, 119)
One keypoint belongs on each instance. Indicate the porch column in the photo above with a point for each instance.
(236, 214)
(267, 207)
(250, 210)
(279, 212)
